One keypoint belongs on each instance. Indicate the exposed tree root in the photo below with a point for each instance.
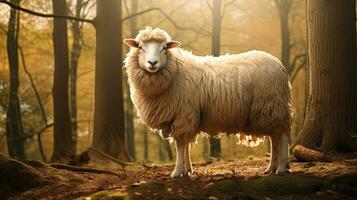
(305, 154)
(83, 169)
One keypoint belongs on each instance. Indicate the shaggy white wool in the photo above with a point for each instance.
(248, 93)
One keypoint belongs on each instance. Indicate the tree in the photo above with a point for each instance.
(109, 130)
(77, 27)
(62, 137)
(14, 129)
(331, 111)
(75, 54)
(284, 7)
(129, 113)
(216, 46)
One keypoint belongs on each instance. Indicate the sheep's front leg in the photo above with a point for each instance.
(180, 166)
(283, 154)
(187, 157)
(274, 154)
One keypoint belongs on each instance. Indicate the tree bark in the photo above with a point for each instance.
(75, 54)
(63, 145)
(14, 129)
(109, 130)
(146, 145)
(129, 114)
(331, 111)
(167, 146)
(215, 143)
(284, 10)
(308, 155)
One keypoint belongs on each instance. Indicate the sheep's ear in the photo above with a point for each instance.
(173, 44)
(131, 42)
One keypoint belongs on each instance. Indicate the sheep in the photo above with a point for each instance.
(182, 94)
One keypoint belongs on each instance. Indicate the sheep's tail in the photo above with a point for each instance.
(249, 140)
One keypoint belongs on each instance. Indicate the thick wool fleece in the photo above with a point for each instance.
(248, 93)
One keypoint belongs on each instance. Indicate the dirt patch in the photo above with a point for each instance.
(217, 180)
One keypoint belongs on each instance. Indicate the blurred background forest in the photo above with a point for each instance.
(275, 26)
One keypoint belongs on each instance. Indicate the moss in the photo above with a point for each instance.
(150, 186)
(227, 186)
(269, 185)
(107, 195)
(283, 185)
(19, 176)
(346, 184)
(348, 179)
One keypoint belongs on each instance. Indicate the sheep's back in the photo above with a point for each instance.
(244, 92)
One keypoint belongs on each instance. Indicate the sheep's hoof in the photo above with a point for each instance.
(189, 172)
(282, 171)
(177, 174)
(270, 170)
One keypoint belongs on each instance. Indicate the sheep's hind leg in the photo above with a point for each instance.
(180, 166)
(187, 159)
(274, 154)
(283, 154)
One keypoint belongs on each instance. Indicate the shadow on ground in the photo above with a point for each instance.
(217, 180)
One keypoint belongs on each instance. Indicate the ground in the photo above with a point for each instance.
(211, 180)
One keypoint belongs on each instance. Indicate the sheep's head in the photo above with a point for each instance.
(153, 45)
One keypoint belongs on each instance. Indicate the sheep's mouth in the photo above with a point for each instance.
(152, 69)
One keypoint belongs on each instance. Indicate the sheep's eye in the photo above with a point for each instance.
(141, 48)
(164, 48)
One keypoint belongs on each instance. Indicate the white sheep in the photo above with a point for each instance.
(182, 95)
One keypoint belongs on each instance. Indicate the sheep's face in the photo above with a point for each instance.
(153, 54)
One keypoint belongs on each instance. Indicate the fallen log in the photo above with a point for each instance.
(306, 154)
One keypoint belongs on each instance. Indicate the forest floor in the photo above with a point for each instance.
(211, 180)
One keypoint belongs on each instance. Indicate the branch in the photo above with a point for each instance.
(167, 17)
(295, 70)
(296, 58)
(43, 129)
(174, 11)
(225, 7)
(209, 6)
(107, 156)
(38, 100)
(84, 169)
(126, 7)
(33, 85)
(14, 6)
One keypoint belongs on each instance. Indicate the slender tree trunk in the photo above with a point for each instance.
(284, 10)
(331, 111)
(109, 130)
(75, 54)
(168, 149)
(216, 47)
(14, 129)
(129, 114)
(146, 145)
(63, 145)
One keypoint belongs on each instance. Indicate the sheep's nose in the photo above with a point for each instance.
(152, 63)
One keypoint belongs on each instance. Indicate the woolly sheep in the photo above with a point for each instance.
(182, 95)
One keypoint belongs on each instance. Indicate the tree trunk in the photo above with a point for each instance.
(14, 129)
(331, 111)
(129, 114)
(167, 146)
(216, 46)
(146, 145)
(284, 10)
(75, 54)
(63, 146)
(109, 131)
